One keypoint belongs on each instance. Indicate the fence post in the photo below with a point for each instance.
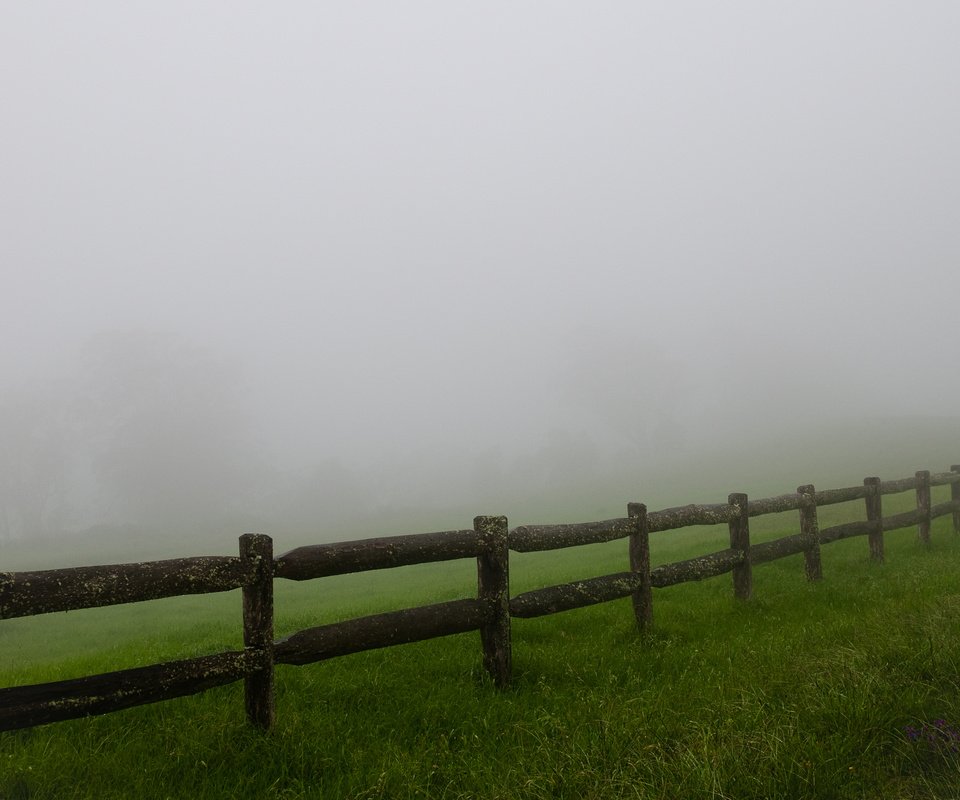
(810, 527)
(874, 503)
(923, 505)
(740, 540)
(493, 585)
(640, 563)
(257, 548)
(955, 496)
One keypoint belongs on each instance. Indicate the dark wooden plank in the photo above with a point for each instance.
(256, 549)
(567, 596)
(684, 516)
(321, 560)
(944, 478)
(810, 527)
(827, 497)
(25, 594)
(493, 588)
(740, 540)
(697, 569)
(903, 520)
(847, 531)
(382, 630)
(774, 505)
(639, 549)
(923, 506)
(942, 509)
(897, 486)
(778, 548)
(874, 507)
(534, 538)
(27, 706)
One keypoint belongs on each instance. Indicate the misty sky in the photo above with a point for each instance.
(398, 233)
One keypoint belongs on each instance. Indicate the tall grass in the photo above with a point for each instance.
(809, 690)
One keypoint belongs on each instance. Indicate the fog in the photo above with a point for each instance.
(326, 270)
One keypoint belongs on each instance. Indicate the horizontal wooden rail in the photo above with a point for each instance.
(903, 520)
(773, 505)
(24, 594)
(26, 706)
(780, 548)
(382, 630)
(848, 530)
(532, 538)
(897, 486)
(696, 569)
(321, 560)
(943, 478)
(683, 516)
(578, 594)
(828, 497)
(942, 509)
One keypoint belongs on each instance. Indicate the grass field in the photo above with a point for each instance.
(846, 688)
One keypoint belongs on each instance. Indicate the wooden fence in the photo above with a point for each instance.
(489, 542)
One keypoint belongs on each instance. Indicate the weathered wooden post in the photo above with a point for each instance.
(874, 503)
(810, 527)
(955, 496)
(640, 564)
(740, 540)
(257, 550)
(923, 506)
(493, 585)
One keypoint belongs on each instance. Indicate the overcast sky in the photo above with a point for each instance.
(405, 231)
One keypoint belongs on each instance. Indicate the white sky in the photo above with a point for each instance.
(473, 225)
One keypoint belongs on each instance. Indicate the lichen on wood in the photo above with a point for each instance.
(30, 593)
(577, 594)
(321, 560)
(697, 569)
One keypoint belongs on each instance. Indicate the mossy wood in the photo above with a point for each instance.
(27, 706)
(577, 594)
(944, 478)
(828, 497)
(847, 531)
(897, 486)
(24, 594)
(493, 588)
(897, 521)
(257, 550)
(696, 569)
(873, 502)
(639, 551)
(739, 526)
(779, 548)
(923, 506)
(942, 509)
(774, 505)
(684, 516)
(382, 630)
(810, 529)
(534, 538)
(322, 560)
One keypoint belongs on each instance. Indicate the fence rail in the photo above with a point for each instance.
(489, 542)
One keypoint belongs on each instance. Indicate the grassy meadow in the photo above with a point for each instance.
(845, 688)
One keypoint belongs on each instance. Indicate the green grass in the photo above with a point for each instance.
(805, 691)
